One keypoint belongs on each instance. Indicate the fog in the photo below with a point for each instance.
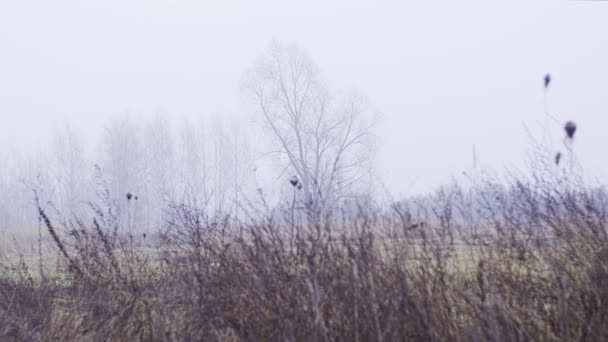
(448, 78)
(177, 170)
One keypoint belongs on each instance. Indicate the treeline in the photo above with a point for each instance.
(156, 160)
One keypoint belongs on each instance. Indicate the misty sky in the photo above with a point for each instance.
(446, 75)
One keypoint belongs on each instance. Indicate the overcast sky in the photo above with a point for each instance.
(446, 75)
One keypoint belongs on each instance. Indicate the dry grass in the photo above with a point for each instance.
(537, 271)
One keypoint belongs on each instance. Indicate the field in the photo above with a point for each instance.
(530, 265)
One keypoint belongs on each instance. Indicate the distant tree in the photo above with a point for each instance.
(123, 164)
(158, 161)
(323, 140)
(230, 162)
(70, 171)
(192, 164)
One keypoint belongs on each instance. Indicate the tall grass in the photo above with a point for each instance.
(521, 261)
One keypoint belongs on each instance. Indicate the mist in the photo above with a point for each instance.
(445, 77)
(268, 170)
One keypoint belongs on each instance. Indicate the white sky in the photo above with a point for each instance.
(445, 74)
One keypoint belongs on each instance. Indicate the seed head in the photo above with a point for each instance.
(547, 80)
(293, 180)
(570, 129)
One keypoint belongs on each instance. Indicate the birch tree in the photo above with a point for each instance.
(321, 139)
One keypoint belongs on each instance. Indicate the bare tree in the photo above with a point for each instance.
(192, 160)
(69, 170)
(158, 156)
(123, 163)
(322, 140)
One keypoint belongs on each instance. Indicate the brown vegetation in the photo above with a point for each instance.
(527, 261)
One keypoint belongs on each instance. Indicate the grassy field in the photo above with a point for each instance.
(377, 275)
